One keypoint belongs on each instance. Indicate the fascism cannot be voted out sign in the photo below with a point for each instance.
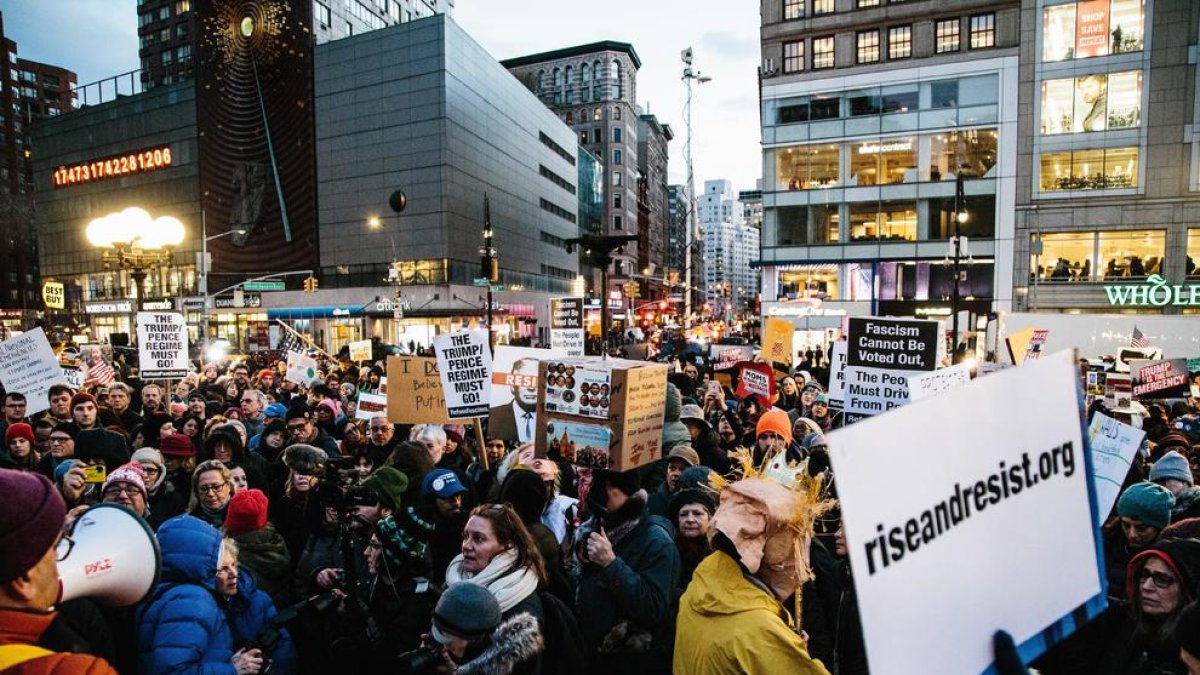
(465, 365)
(162, 345)
(961, 552)
(892, 344)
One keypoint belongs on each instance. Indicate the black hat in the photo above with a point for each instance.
(527, 493)
(701, 496)
(299, 410)
(101, 444)
(304, 459)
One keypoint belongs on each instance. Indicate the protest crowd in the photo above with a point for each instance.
(297, 535)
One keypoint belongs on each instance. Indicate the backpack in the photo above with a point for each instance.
(565, 651)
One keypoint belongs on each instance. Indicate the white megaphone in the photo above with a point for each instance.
(110, 555)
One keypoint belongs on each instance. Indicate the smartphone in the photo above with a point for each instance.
(94, 473)
(714, 388)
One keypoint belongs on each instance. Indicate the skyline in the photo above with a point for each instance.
(724, 111)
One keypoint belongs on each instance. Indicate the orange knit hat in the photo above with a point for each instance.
(775, 420)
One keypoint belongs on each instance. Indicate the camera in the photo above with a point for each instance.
(423, 659)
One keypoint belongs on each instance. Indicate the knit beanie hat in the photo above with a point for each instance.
(1172, 465)
(527, 494)
(777, 421)
(131, 473)
(31, 518)
(388, 484)
(151, 456)
(18, 430)
(177, 445)
(82, 397)
(101, 444)
(705, 498)
(467, 610)
(247, 512)
(1148, 503)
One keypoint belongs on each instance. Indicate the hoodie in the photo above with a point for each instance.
(755, 638)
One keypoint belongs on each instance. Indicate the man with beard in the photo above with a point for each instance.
(443, 493)
(153, 400)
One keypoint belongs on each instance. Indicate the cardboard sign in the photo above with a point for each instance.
(301, 369)
(930, 568)
(924, 385)
(837, 374)
(414, 393)
(1160, 379)
(1018, 345)
(162, 345)
(893, 344)
(777, 341)
(566, 325)
(515, 385)
(1114, 445)
(756, 379)
(28, 365)
(465, 365)
(1194, 376)
(726, 357)
(371, 406)
(360, 350)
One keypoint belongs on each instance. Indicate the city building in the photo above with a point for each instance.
(593, 89)
(399, 108)
(653, 213)
(678, 206)
(752, 207)
(1109, 157)
(730, 247)
(871, 111)
(29, 92)
(166, 28)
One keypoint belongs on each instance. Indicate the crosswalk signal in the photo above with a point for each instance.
(310, 285)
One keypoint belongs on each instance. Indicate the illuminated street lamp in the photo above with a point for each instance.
(132, 240)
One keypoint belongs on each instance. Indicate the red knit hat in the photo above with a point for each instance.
(18, 430)
(247, 512)
(82, 397)
(177, 445)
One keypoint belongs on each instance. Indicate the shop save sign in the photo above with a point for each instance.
(162, 345)
(465, 364)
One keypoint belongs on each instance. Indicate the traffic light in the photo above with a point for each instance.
(310, 285)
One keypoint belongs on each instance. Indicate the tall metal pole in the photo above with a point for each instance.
(692, 222)
(203, 284)
(959, 216)
(490, 267)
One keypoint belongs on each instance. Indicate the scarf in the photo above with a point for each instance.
(508, 585)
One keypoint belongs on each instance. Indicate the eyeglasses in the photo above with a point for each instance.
(210, 489)
(296, 428)
(118, 490)
(1160, 579)
(64, 546)
(53, 440)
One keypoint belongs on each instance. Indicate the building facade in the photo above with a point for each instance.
(870, 111)
(1109, 157)
(730, 247)
(653, 137)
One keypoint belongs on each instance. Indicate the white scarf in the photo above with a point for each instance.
(509, 587)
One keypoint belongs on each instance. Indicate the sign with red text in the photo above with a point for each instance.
(1160, 379)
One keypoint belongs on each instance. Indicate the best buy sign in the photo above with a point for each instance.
(1155, 292)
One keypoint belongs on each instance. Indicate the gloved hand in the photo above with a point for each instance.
(1008, 662)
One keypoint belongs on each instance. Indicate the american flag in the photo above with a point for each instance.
(1138, 339)
(289, 341)
(101, 373)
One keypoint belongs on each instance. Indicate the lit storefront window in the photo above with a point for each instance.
(1100, 256)
(1089, 28)
(808, 167)
(883, 221)
(974, 150)
(1102, 169)
(1094, 102)
(928, 280)
(808, 281)
(884, 162)
(1193, 254)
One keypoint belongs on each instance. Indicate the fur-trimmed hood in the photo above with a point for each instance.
(517, 640)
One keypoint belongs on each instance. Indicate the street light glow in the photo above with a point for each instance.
(374, 222)
(135, 228)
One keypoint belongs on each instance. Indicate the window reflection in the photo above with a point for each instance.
(1113, 168)
(1093, 102)
(802, 225)
(974, 150)
(1193, 254)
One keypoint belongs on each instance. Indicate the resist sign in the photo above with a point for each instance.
(162, 345)
(465, 365)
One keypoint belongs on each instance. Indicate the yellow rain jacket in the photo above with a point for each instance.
(728, 625)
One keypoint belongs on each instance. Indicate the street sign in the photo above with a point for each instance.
(496, 288)
(264, 285)
(481, 282)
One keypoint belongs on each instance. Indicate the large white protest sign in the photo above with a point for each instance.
(566, 325)
(28, 365)
(924, 385)
(963, 550)
(162, 345)
(465, 366)
(1114, 445)
(871, 391)
(360, 350)
(301, 369)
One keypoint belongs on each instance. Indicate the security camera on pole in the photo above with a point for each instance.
(693, 224)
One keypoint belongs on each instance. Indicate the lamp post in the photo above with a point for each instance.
(398, 201)
(134, 241)
(960, 217)
(693, 222)
(205, 263)
(490, 266)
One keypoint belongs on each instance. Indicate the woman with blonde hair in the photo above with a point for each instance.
(212, 488)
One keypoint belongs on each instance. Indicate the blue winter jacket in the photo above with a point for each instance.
(185, 629)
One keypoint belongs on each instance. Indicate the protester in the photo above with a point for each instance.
(690, 510)
(261, 550)
(289, 498)
(302, 428)
(679, 458)
(704, 440)
(442, 489)
(476, 638)
(1173, 472)
(1143, 510)
(127, 486)
(164, 500)
(19, 443)
(212, 488)
(499, 554)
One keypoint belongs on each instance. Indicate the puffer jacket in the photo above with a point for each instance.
(185, 627)
(754, 639)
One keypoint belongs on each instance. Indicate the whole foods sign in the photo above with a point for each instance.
(1155, 292)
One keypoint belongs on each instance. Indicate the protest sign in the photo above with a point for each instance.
(162, 345)
(1128, 355)
(894, 344)
(1160, 379)
(371, 406)
(465, 366)
(924, 385)
(1037, 342)
(777, 341)
(871, 391)
(28, 365)
(360, 350)
(1194, 376)
(301, 369)
(726, 357)
(1018, 344)
(930, 568)
(1114, 445)
(74, 376)
(515, 383)
(837, 374)
(566, 325)
(756, 379)
(1118, 390)
(414, 393)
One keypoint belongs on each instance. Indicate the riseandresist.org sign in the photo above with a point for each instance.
(985, 525)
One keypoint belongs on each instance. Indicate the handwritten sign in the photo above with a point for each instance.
(162, 345)
(777, 341)
(924, 385)
(360, 350)
(28, 365)
(415, 391)
(301, 369)
(1114, 445)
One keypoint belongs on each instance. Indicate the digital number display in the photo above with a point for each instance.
(113, 167)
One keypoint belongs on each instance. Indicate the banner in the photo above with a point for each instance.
(756, 379)
(414, 392)
(961, 552)
(371, 406)
(777, 341)
(301, 369)
(1114, 445)
(162, 345)
(894, 344)
(1160, 379)
(515, 385)
(924, 385)
(566, 325)
(28, 365)
(465, 366)
(726, 357)
(360, 350)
